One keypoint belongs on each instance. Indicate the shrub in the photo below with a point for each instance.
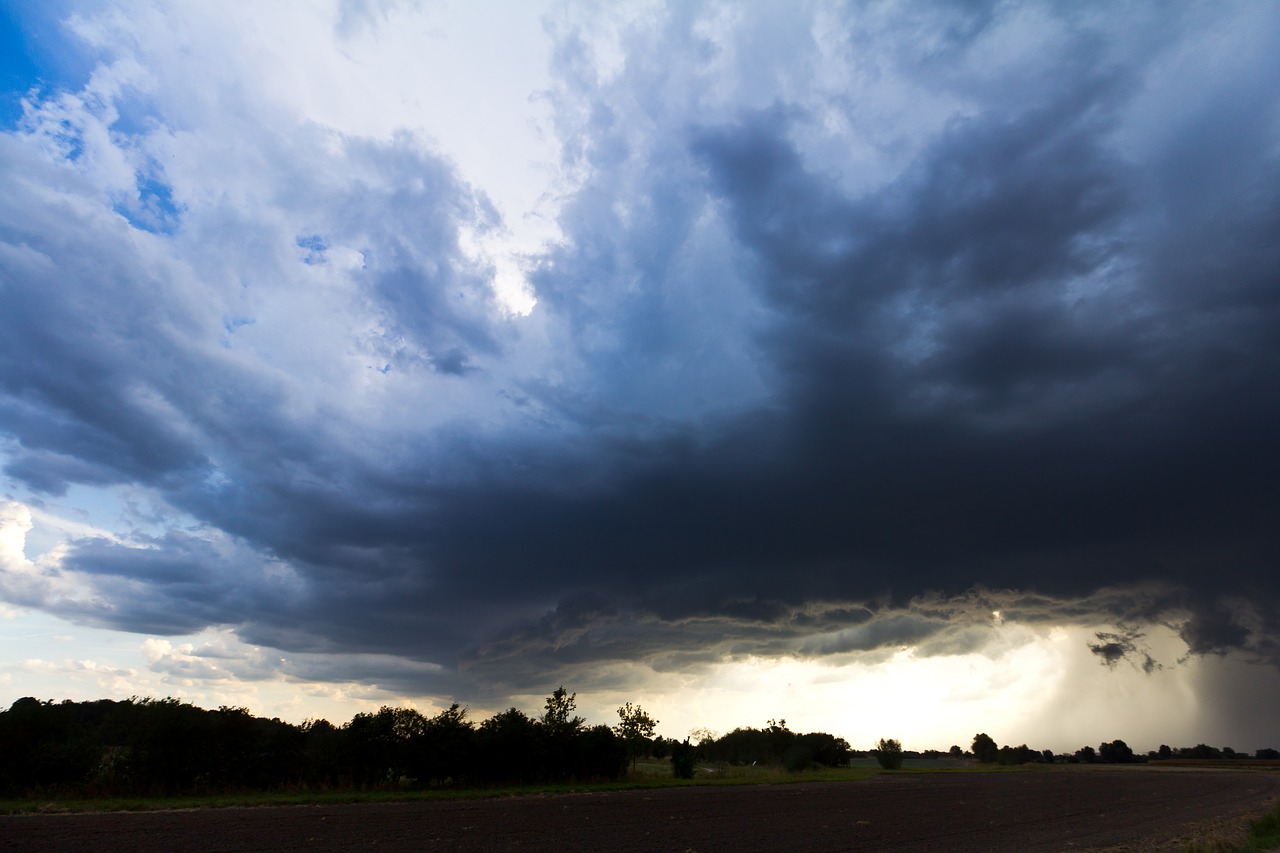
(684, 759)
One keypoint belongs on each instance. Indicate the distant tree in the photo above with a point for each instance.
(1017, 755)
(1200, 750)
(635, 727)
(889, 753)
(1023, 755)
(1047, 756)
(1116, 752)
(985, 749)
(1268, 753)
(1086, 755)
(956, 751)
(702, 735)
(1164, 751)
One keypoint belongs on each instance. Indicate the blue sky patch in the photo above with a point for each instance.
(315, 246)
(153, 210)
(36, 52)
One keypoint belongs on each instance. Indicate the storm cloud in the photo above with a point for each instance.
(859, 329)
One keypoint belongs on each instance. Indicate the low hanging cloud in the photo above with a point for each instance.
(1113, 648)
(847, 344)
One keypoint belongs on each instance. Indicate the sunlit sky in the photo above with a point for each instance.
(894, 369)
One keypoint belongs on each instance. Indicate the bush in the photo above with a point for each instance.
(889, 754)
(797, 758)
(684, 759)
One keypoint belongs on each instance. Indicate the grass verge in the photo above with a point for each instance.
(1264, 836)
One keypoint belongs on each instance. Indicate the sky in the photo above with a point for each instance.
(894, 369)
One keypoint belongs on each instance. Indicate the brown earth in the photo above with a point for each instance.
(1065, 809)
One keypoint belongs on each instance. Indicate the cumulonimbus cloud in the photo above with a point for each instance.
(803, 359)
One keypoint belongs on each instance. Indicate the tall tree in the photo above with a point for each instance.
(559, 717)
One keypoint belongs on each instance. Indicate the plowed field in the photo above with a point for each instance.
(1052, 810)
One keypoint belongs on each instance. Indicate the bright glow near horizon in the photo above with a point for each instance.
(926, 703)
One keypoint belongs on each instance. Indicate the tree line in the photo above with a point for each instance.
(986, 751)
(169, 747)
(166, 747)
(162, 747)
(775, 744)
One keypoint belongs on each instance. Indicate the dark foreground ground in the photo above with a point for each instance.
(1130, 809)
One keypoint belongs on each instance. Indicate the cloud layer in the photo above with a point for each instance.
(859, 327)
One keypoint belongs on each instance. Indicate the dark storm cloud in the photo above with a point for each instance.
(983, 372)
(763, 406)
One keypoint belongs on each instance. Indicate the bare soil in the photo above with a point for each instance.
(1050, 810)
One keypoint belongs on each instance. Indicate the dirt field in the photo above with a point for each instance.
(1122, 809)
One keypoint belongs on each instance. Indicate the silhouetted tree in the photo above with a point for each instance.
(889, 753)
(559, 717)
(780, 739)
(322, 748)
(378, 745)
(1115, 752)
(443, 749)
(1018, 755)
(560, 729)
(1200, 750)
(985, 749)
(635, 727)
(510, 748)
